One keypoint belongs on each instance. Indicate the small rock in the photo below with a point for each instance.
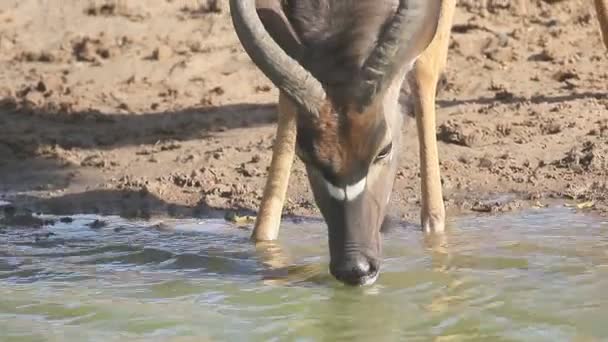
(453, 132)
(97, 224)
(41, 57)
(486, 162)
(33, 100)
(550, 128)
(95, 160)
(161, 53)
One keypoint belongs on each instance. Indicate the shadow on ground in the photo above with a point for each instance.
(23, 130)
(508, 98)
(31, 137)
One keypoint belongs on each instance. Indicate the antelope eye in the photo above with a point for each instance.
(385, 152)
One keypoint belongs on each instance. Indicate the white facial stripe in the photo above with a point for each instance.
(350, 193)
(370, 280)
(353, 191)
(334, 191)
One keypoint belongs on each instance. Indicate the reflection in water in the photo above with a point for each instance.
(274, 260)
(438, 247)
(278, 267)
(537, 275)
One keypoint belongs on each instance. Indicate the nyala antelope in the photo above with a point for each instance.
(339, 66)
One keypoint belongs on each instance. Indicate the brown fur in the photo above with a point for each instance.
(342, 145)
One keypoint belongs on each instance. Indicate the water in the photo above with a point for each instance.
(540, 275)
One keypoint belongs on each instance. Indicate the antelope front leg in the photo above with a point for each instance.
(433, 211)
(601, 8)
(423, 82)
(283, 153)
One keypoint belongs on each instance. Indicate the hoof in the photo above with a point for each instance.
(433, 222)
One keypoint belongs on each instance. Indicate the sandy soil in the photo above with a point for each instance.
(143, 108)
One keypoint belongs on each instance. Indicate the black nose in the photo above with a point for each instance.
(355, 270)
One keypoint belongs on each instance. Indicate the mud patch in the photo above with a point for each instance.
(465, 133)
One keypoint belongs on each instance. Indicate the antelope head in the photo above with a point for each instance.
(340, 65)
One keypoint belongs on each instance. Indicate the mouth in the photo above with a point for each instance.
(369, 279)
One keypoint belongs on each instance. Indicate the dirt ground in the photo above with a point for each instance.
(141, 108)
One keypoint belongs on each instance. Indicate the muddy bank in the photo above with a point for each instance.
(139, 108)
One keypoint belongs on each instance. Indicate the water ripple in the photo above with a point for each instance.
(537, 275)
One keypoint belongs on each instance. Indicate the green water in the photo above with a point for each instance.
(532, 276)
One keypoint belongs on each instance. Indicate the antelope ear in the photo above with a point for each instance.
(275, 21)
(427, 31)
